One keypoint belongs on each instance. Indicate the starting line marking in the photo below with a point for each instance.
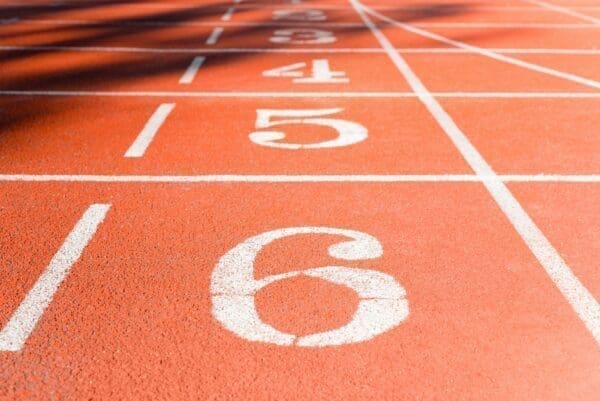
(141, 143)
(581, 300)
(190, 73)
(303, 178)
(365, 95)
(426, 50)
(25, 318)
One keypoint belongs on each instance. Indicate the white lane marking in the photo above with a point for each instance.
(228, 14)
(433, 50)
(297, 24)
(192, 70)
(363, 95)
(145, 137)
(487, 53)
(9, 21)
(581, 300)
(214, 36)
(23, 321)
(298, 4)
(302, 178)
(566, 11)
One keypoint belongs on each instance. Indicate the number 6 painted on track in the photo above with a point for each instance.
(349, 132)
(382, 301)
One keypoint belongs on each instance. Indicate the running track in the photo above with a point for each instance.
(300, 200)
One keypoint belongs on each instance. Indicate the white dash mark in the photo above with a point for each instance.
(141, 143)
(228, 14)
(23, 321)
(190, 74)
(214, 36)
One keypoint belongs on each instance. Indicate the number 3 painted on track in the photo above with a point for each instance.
(382, 306)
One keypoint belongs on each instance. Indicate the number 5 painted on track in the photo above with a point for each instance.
(382, 306)
(349, 133)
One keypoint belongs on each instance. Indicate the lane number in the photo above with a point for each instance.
(382, 301)
(299, 15)
(303, 36)
(320, 73)
(349, 133)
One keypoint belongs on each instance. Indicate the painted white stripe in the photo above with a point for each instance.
(581, 300)
(565, 10)
(9, 21)
(21, 324)
(228, 14)
(295, 24)
(487, 53)
(214, 36)
(472, 7)
(190, 74)
(302, 95)
(141, 143)
(301, 178)
(196, 50)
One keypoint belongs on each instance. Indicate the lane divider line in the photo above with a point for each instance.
(577, 295)
(301, 95)
(301, 178)
(566, 11)
(191, 72)
(487, 53)
(23, 321)
(214, 36)
(145, 137)
(417, 50)
(9, 21)
(296, 24)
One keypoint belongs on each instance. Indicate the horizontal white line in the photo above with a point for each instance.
(162, 5)
(226, 178)
(8, 21)
(238, 94)
(196, 50)
(449, 25)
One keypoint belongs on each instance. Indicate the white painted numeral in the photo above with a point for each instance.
(299, 15)
(320, 74)
(349, 133)
(382, 301)
(302, 36)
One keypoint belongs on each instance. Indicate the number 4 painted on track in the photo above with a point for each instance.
(320, 74)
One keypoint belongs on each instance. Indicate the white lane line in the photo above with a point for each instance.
(565, 10)
(301, 178)
(487, 53)
(9, 21)
(190, 74)
(295, 24)
(214, 36)
(303, 95)
(228, 14)
(23, 321)
(581, 300)
(145, 137)
(417, 50)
